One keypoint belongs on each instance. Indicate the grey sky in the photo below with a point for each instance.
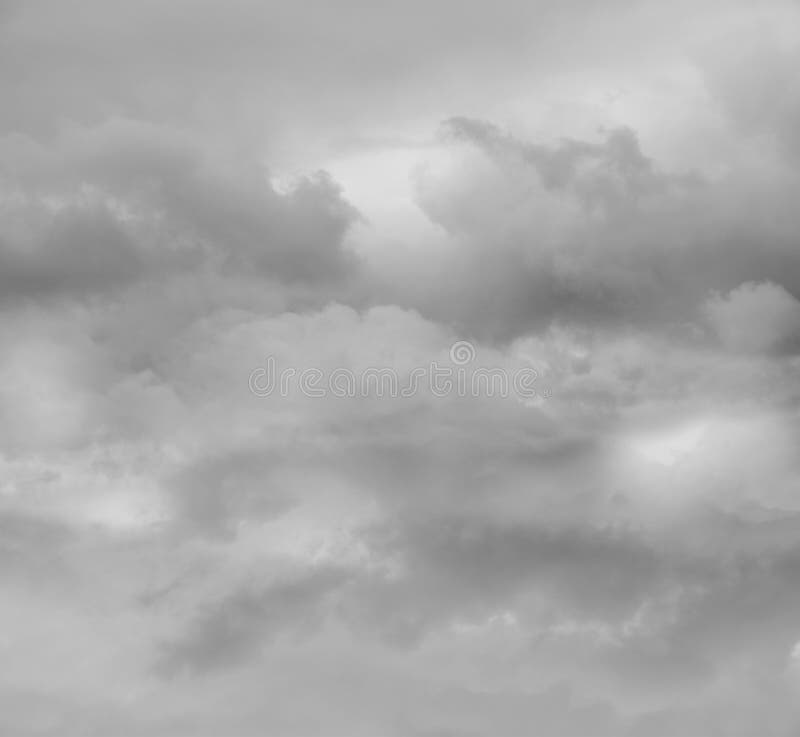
(606, 194)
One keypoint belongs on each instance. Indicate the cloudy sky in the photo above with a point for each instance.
(605, 194)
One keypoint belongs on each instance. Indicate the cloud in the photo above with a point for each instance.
(606, 176)
(83, 250)
(238, 624)
(588, 232)
(216, 493)
(756, 317)
(611, 200)
(755, 86)
(123, 202)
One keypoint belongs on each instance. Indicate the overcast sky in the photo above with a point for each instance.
(607, 194)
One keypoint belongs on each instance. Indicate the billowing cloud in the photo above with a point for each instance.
(353, 197)
(101, 207)
(756, 317)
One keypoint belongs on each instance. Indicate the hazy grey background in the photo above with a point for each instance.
(605, 191)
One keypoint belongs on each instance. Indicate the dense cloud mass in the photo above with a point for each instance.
(200, 201)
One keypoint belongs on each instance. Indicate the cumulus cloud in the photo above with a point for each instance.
(591, 232)
(756, 317)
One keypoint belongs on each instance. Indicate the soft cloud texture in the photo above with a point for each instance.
(608, 197)
(756, 317)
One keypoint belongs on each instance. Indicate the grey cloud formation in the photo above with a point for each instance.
(159, 205)
(597, 233)
(756, 317)
(606, 175)
(216, 494)
(83, 250)
(607, 196)
(239, 623)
